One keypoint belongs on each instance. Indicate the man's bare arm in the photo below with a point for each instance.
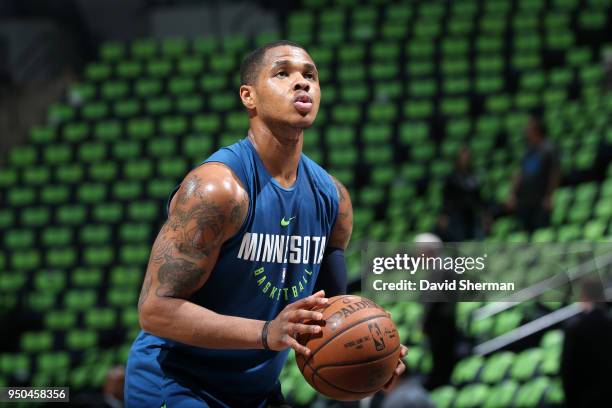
(209, 208)
(343, 228)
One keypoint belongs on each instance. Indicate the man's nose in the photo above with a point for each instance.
(301, 85)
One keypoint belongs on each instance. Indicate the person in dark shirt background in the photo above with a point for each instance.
(463, 208)
(586, 360)
(534, 184)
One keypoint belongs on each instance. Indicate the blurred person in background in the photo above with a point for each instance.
(439, 323)
(408, 393)
(586, 360)
(534, 184)
(113, 387)
(463, 209)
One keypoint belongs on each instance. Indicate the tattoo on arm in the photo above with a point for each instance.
(177, 278)
(144, 293)
(193, 233)
(341, 233)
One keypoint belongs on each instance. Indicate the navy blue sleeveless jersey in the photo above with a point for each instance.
(272, 261)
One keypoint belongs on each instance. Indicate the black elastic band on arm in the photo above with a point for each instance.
(333, 274)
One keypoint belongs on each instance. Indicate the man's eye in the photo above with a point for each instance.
(282, 74)
(309, 75)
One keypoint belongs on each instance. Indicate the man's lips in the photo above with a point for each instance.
(303, 103)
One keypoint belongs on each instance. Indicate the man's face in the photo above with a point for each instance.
(532, 132)
(287, 87)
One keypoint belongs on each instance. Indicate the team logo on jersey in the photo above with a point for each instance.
(282, 249)
(286, 223)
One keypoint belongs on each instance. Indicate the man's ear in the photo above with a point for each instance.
(247, 96)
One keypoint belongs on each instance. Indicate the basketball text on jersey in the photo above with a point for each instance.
(282, 249)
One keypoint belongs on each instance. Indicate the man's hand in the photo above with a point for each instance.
(399, 370)
(289, 322)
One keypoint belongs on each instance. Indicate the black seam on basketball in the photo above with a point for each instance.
(357, 362)
(312, 354)
(315, 373)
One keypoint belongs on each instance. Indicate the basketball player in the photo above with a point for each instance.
(249, 234)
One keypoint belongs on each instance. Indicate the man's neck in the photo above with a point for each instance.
(279, 150)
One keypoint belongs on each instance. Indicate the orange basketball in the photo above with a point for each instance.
(355, 353)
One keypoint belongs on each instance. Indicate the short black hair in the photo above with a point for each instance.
(249, 69)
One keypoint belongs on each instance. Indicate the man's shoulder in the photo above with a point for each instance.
(317, 170)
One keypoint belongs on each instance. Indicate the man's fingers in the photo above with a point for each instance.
(310, 301)
(305, 351)
(389, 383)
(399, 370)
(403, 351)
(301, 315)
(305, 328)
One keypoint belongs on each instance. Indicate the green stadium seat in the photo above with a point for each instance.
(159, 68)
(57, 154)
(135, 232)
(507, 321)
(108, 212)
(91, 192)
(127, 150)
(174, 47)
(97, 72)
(61, 258)
(23, 156)
(472, 396)
(15, 363)
(80, 93)
(128, 69)
(220, 102)
(187, 104)
(135, 254)
(12, 283)
(525, 364)
(122, 297)
(114, 89)
(467, 370)
(108, 130)
(496, 367)
(104, 171)
(100, 318)
(34, 342)
(81, 339)
(42, 134)
(444, 397)
(92, 152)
(60, 319)
(181, 85)
(51, 362)
(141, 169)
(112, 51)
(60, 113)
(143, 210)
(56, 236)
(532, 393)
(40, 301)
(79, 299)
(95, 234)
(501, 395)
(173, 125)
(127, 190)
(127, 108)
(98, 256)
(129, 317)
(86, 277)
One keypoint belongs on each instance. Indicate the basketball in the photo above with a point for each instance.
(355, 353)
